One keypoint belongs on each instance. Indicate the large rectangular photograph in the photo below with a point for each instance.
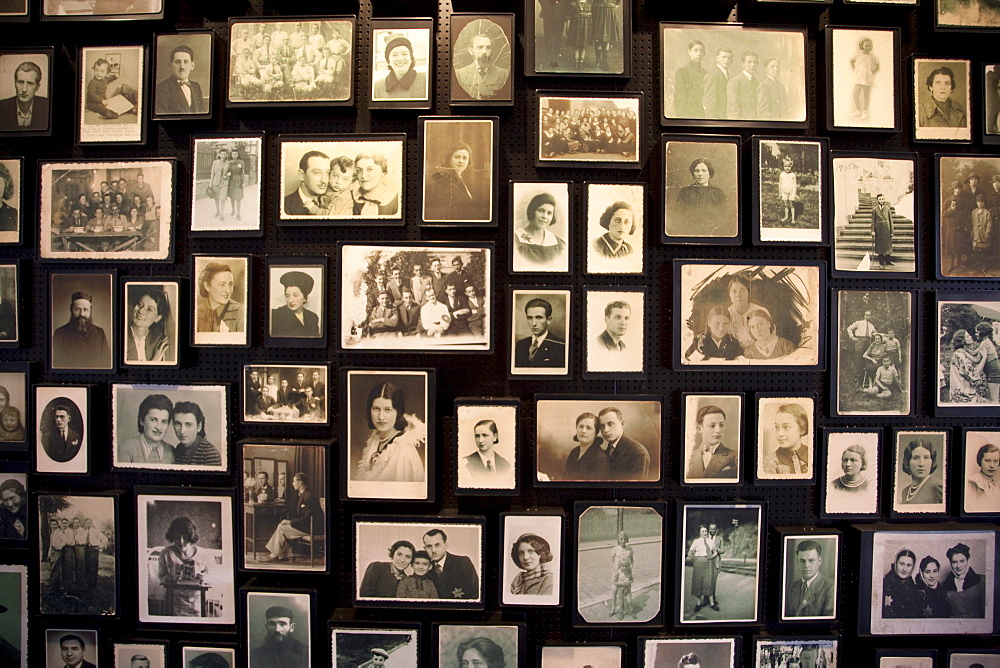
(968, 370)
(583, 40)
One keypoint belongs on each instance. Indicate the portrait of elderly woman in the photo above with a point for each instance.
(293, 319)
(402, 75)
(941, 99)
(920, 472)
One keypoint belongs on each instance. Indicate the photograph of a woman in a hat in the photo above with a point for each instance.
(294, 319)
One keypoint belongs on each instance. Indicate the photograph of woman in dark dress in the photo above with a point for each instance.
(619, 221)
(455, 191)
(237, 170)
(899, 591)
(382, 578)
(932, 600)
(588, 460)
(920, 460)
(534, 243)
(701, 199)
(294, 319)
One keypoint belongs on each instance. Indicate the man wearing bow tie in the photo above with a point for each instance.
(177, 94)
(811, 593)
(712, 459)
(482, 78)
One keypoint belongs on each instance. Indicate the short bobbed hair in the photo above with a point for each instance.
(913, 445)
(540, 545)
(182, 527)
(537, 201)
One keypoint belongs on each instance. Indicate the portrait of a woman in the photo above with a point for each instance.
(531, 553)
(183, 560)
(8, 214)
(938, 109)
(218, 183)
(234, 192)
(988, 350)
(392, 450)
(588, 460)
(968, 599)
(739, 310)
(965, 370)
(700, 202)
(146, 339)
(920, 462)
(765, 342)
(382, 578)
(792, 454)
(854, 463)
(535, 244)
(403, 80)
(899, 591)
(931, 601)
(217, 311)
(704, 560)
(619, 221)
(455, 191)
(480, 652)
(294, 319)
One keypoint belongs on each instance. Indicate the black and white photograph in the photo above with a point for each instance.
(967, 365)
(14, 615)
(968, 213)
(906, 658)
(966, 15)
(392, 645)
(990, 123)
(139, 655)
(874, 352)
(980, 482)
(296, 300)
(62, 428)
(941, 99)
(615, 333)
(488, 440)
(985, 658)
(14, 523)
(539, 332)
(732, 74)
(480, 645)
(920, 473)
(589, 131)
(790, 191)
(583, 39)
(208, 657)
(629, 539)
(863, 78)
(713, 445)
(433, 563)
(482, 59)
(748, 315)
(810, 586)
(68, 10)
(402, 68)
(874, 200)
(291, 61)
(15, 416)
(10, 305)
(341, 178)
(278, 629)
(25, 92)
(532, 559)
(701, 199)
(615, 228)
(796, 651)
(71, 648)
(688, 652)
(598, 439)
(78, 555)
(286, 393)
(226, 190)
(112, 94)
(881, 2)
(786, 438)
(11, 209)
(719, 563)
(540, 227)
(851, 482)
(569, 656)
(459, 170)
(284, 506)
(150, 327)
(183, 64)
(421, 298)
(220, 294)
(14, 10)
(185, 556)
(107, 210)
(183, 428)
(388, 432)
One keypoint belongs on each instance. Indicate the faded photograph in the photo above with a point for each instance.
(790, 191)
(220, 294)
(138, 9)
(968, 371)
(694, 652)
(588, 129)
(702, 189)
(14, 417)
(969, 219)
(713, 428)
(615, 332)
(792, 651)
(540, 221)
(980, 488)
(226, 184)
(615, 228)
(941, 100)
(481, 58)
(374, 646)
(112, 100)
(458, 171)
(864, 64)
(579, 37)
(852, 473)
(487, 443)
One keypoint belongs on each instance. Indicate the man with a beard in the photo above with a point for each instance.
(13, 511)
(314, 180)
(483, 78)
(280, 649)
(80, 344)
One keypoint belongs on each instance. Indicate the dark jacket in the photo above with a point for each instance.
(630, 460)
(284, 323)
(722, 464)
(459, 580)
(39, 115)
(308, 507)
(170, 98)
(550, 354)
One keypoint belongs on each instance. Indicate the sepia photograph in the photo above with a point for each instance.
(701, 183)
(71, 647)
(851, 473)
(589, 39)
(540, 226)
(10, 305)
(862, 66)
(488, 445)
(112, 97)
(15, 413)
(182, 74)
(25, 91)
(402, 67)
(941, 99)
(615, 335)
(14, 10)
(800, 650)
(984, 658)
(966, 15)
(539, 339)
(481, 59)
(14, 505)
(968, 371)
(689, 652)
(786, 438)
(149, 322)
(226, 192)
(991, 103)
(208, 657)
(588, 131)
(378, 644)
(14, 615)
(906, 658)
(459, 159)
(790, 192)
(810, 585)
(968, 213)
(981, 460)
(296, 300)
(531, 559)
(286, 393)
(220, 292)
(605, 654)
(62, 428)
(920, 470)
(615, 227)
(11, 209)
(480, 645)
(139, 655)
(101, 10)
(278, 628)
(713, 428)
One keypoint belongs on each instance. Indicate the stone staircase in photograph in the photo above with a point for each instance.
(855, 238)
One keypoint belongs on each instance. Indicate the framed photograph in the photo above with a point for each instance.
(402, 66)
(748, 315)
(14, 600)
(286, 393)
(488, 440)
(611, 655)
(14, 505)
(701, 189)
(786, 438)
(630, 538)
(810, 585)
(149, 322)
(291, 61)
(128, 653)
(426, 320)
(25, 91)
(539, 340)
(353, 643)
(183, 64)
(966, 216)
(965, 15)
(540, 219)
(991, 103)
(720, 542)
(882, 2)
(862, 65)
(11, 208)
(981, 460)
(941, 99)
(62, 428)
(14, 383)
(912, 658)
(968, 378)
(808, 649)
(790, 193)
(10, 304)
(615, 227)
(733, 74)
(415, 575)
(278, 627)
(910, 575)
(987, 658)
(112, 97)
(185, 557)
(388, 428)
(459, 158)
(874, 235)
(341, 178)
(226, 191)
(581, 41)
(589, 130)
(486, 644)
(669, 652)
(197, 656)
(851, 473)
(220, 289)
(65, 645)
(920, 468)
(68, 10)
(532, 559)
(874, 352)
(615, 333)
(284, 506)
(296, 301)
(147, 418)
(711, 421)
(15, 10)
(482, 59)
(131, 220)
(617, 439)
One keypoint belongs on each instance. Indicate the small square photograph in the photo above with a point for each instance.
(139, 655)
(221, 290)
(786, 438)
(570, 656)
(62, 414)
(382, 644)
(278, 629)
(903, 658)
(863, 65)
(15, 416)
(65, 10)
(803, 650)
(540, 218)
(583, 40)
(615, 228)
(388, 432)
(150, 322)
(487, 434)
(579, 131)
(14, 622)
(701, 189)
(684, 652)
(920, 473)
(208, 657)
(981, 486)
(182, 69)
(966, 15)
(968, 215)
(481, 59)
(986, 658)
(941, 99)
(852, 482)
(226, 191)
(710, 422)
(790, 190)
(459, 157)
(810, 585)
(286, 393)
(615, 332)
(402, 65)
(9, 305)
(486, 644)
(25, 91)
(71, 647)
(78, 561)
(10, 200)
(14, 504)
(531, 557)
(112, 94)
(968, 371)
(296, 298)
(538, 340)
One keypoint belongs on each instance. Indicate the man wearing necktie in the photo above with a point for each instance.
(482, 79)
(314, 180)
(486, 466)
(629, 458)
(616, 317)
(542, 349)
(62, 443)
(177, 94)
(712, 459)
(454, 575)
(810, 595)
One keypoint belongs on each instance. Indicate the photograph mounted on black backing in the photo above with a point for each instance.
(278, 627)
(685, 652)
(15, 10)
(26, 92)
(862, 79)
(14, 524)
(580, 130)
(532, 559)
(112, 94)
(459, 185)
(65, 645)
(609, 655)
(941, 99)
(986, 658)
(82, 310)
(296, 300)
(881, 2)
(488, 446)
(291, 61)
(909, 658)
(615, 333)
(101, 10)
(809, 650)
(586, 38)
(540, 220)
(481, 60)
(966, 15)
(615, 227)
(701, 198)
(851, 479)
(786, 439)
(197, 656)
(980, 463)
(482, 644)
(128, 653)
(11, 208)
(810, 583)
(286, 393)
(748, 315)
(220, 289)
(967, 195)
(713, 446)
(15, 415)
(732, 74)
(358, 643)
(10, 304)
(539, 339)
(790, 193)
(149, 321)
(226, 189)
(968, 369)
(183, 64)
(920, 469)
(990, 117)
(62, 428)
(402, 68)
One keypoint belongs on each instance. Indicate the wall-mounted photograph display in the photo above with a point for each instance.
(863, 79)
(701, 199)
(278, 627)
(183, 64)
(226, 188)
(967, 190)
(588, 130)
(541, 240)
(721, 652)
(112, 94)
(485, 644)
(791, 190)
(14, 523)
(482, 60)
(615, 333)
(15, 415)
(296, 300)
(965, 347)
(65, 645)
(920, 471)
(539, 339)
(915, 658)
(488, 452)
(713, 433)
(459, 166)
(532, 559)
(25, 91)
(810, 584)
(941, 99)
(286, 393)
(786, 438)
(149, 322)
(127, 653)
(589, 39)
(68, 10)
(966, 15)
(220, 292)
(62, 428)
(11, 209)
(10, 304)
(807, 649)
(15, 10)
(852, 473)
(981, 461)
(355, 642)
(990, 128)
(615, 227)
(597, 654)
(402, 67)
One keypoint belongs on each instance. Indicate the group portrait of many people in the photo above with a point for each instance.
(970, 214)
(122, 201)
(593, 130)
(285, 394)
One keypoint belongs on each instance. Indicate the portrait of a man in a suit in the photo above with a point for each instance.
(810, 594)
(61, 441)
(485, 466)
(178, 93)
(543, 349)
(711, 459)
(454, 575)
(26, 110)
(314, 181)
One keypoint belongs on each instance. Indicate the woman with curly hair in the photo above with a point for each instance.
(392, 451)
(531, 552)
